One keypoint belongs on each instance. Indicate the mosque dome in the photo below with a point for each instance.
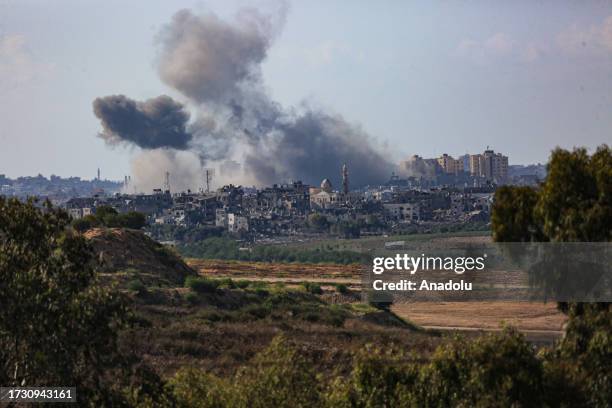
(326, 185)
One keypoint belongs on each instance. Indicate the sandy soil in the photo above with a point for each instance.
(483, 315)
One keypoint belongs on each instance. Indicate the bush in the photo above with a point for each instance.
(313, 288)
(227, 283)
(342, 288)
(107, 216)
(378, 379)
(201, 285)
(192, 298)
(493, 370)
(277, 377)
(136, 286)
(584, 354)
(242, 284)
(195, 388)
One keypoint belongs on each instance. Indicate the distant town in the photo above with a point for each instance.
(423, 195)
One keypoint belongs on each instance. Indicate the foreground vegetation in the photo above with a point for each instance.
(494, 370)
(59, 325)
(107, 216)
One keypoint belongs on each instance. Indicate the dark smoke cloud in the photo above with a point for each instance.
(217, 66)
(315, 145)
(156, 122)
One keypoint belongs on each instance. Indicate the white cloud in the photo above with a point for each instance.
(595, 39)
(17, 64)
(500, 46)
(329, 52)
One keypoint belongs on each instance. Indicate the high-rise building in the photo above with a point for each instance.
(449, 165)
(491, 165)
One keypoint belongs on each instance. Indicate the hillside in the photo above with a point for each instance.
(130, 252)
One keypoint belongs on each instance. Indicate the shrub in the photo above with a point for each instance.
(493, 370)
(378, 379)
(136, 286)
(201, 285)
(227, 283)
(195, 388)
(278, 377)
(313, 288)
(242, 284)
(192, 298)
(342, 288)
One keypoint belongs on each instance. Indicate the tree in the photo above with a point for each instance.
(57, 326)
(513, 216)
(107, 216)
(573, 204)
(278, 377)
(133, 219)
(318, 222)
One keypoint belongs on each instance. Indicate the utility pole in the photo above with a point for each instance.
(208, 175)
(167, 182)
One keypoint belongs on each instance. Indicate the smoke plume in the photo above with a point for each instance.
(156, 122)
(207, 59)
(216, 66)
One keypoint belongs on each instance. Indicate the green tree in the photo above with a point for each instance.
(513, 216)
(278, 377)
(492, 370)
(193, 388)
(104, 211)
(573, 204)
(57, 326)
(378, 379)
(318, 222)
(133, 219)
(575, 201)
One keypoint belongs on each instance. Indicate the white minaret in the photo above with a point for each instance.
(345, 179)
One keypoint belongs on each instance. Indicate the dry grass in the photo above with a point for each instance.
(483, 315)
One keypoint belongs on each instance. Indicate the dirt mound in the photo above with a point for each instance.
(130, 251)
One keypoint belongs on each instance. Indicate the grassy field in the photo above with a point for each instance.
(537, 320)
(221, 326)
(224, 328)
(378, 241)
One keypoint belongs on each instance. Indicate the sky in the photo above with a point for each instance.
(420, 77)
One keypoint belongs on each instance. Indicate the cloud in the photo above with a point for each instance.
(499, 44)
(17, 64)
(501, 47)
(594, 40)
(329, 52)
